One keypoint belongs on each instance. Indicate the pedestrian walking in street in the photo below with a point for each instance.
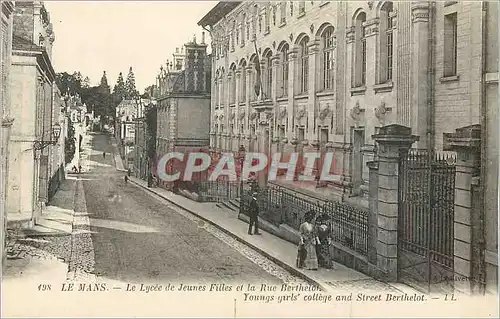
(306, 255)
(79, 168)
(254, 215)
(104, 155)
(74, 169)
(126, 179)
(129, 172)
(323, 230)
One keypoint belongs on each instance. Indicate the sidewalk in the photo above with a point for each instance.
(48, 251)
(279, 251)
(41, 254)
(116, 155)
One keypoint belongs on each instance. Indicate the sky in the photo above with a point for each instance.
(112, 36)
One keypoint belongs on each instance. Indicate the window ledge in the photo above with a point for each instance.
(282, 99)
(383, 87)
(452, 78)
(324, 3)
(491, 77)
(301, 14)
(232, 105)
(358, 90)
(267, 32)
(282, 24)
(325, 93)
(301, 96)
(242, 44)
(450, 3)
(242, 103)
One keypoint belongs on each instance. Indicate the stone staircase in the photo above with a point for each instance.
(233, 205)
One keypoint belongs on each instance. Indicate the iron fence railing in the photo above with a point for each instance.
(349, 225)
(280, 206)
(212, 191)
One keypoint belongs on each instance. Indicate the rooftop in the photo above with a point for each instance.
(220, 10)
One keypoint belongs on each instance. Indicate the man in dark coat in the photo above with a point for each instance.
(254, 215)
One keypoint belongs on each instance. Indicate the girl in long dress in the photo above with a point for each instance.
(306, 257)
(323, 229)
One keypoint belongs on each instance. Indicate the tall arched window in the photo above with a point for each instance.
(328, 45)
(232, 93)
(238, 32)
(222, 88)
(216, 89)
(283, 12)
(304, 65)
(274, 14)
(268, 74)
(254, 21)
(284, 70)
(243, 27)
(243, 82)
(386, 43)
(302, 7)
(266, 19)
(360, 51)
(233, 32)
(253, 96)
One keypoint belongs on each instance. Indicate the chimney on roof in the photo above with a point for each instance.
(194, 38)
(176, 50)
(203, 37)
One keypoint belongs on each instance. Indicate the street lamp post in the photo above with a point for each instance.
(241, 154)
(56, 132)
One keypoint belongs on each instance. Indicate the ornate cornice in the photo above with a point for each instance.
(350, 34)
(313, 47)
(356, 112)
(301, 113)
(7, 121)
(371, 27)
(420, 12)
(324, 112)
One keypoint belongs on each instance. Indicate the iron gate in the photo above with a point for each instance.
(426, 215)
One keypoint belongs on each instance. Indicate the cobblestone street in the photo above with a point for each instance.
(122, 234)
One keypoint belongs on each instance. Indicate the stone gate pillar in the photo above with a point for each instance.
(468, 233)
(373, 209)
(391, 140)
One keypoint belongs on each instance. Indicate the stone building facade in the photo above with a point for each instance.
(5, 118)
(333, 72)
(126, 114)
(489, 155)
(183, 106)
(56, 170)
(32, 88)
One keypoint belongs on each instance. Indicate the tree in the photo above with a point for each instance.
(104, 87)
(69, 143)
(86, 82)
(104, 80)
(69, 83)
(119, 90)
(97, 98)
(130, 89)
